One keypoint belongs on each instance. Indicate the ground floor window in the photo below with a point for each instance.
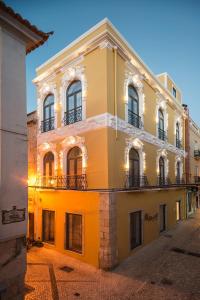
(189, 202)
(197, 201)
(31, 225)
(135, 229)
(74, 232)
(162, 217)
(48, 226)
(178, 210)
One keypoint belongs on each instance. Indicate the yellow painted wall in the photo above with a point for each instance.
(84, 203)
(149, 203)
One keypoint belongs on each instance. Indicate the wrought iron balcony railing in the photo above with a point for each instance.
(136, 181)
(197, 179)
(163, 181)
(162, 134)
(179, 180)
(197, 154)
(69, 182)
(134, 119)
(178, 144)
(47, 125)
(73, 115)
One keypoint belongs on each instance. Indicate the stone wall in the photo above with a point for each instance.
(108, 253)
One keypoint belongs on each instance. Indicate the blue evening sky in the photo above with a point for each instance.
(165, 34)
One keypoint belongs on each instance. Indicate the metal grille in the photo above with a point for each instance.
(136, 181)
(134, 119)
(73, 116)
(47, 125)
(162, 134)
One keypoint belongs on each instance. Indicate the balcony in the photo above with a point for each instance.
(163, 181)
(73, 115)
(197, 179)
(136, 181)
(162, 135)
(197, 154)
(179, 181)
(68, 182)
(47, 124)
(178, 144)
(134, 119)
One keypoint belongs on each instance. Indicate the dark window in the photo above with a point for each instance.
(161, 127)
(161, 171)
(48, 226)
(48, 114)
(73, 103)
(48, 164)
(74, 168)
(135, 229)
(134, 168)
(189, 202)
(162, 217)
(174, 92)
(178, 171)
(133, 107)
(74, 232)
(178, 142)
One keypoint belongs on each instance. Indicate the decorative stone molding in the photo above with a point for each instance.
(42, 150)
(68, 143)
(162, 153)
(42, 92)
(106, 44)
(71, 74)
(161, 103)
(103, 121)
(137, 145)
(135, 79)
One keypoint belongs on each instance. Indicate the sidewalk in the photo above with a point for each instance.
(154, 272)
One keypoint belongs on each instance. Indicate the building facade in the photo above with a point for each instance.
(17, 38)
(110, 174)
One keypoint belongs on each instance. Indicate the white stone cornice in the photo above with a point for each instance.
(103, 121)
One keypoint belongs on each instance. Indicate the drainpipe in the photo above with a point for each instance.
(115, 92)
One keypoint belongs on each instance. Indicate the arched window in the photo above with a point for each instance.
(134, 168)
(161, 171)
(133, 107)
(48, 113)
(178, 142)
(74, 168)
(48, 164)
(161, 126)
(73, 112)
(178, 172)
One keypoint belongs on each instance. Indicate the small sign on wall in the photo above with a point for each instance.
(14, 215)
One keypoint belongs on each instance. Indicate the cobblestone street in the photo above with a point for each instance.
(168, 268)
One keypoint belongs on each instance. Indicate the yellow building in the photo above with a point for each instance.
(110, 151)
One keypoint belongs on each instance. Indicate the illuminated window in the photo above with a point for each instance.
(48, 164)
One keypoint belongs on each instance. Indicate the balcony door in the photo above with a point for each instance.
(74, 103)
(48, 113)
(133, 107)
(161, 171)
(134, 168)
(48, 168)
(74, 167)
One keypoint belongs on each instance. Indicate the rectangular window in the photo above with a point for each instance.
(174, 92)
(162, 217)
(178, 210)
(135, 229)
(48, 226)
(189, 202)
(74, 232)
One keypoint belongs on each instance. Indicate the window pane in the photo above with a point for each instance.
(70, 102)
(135, 107)
(78, 99)
(46, 113)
